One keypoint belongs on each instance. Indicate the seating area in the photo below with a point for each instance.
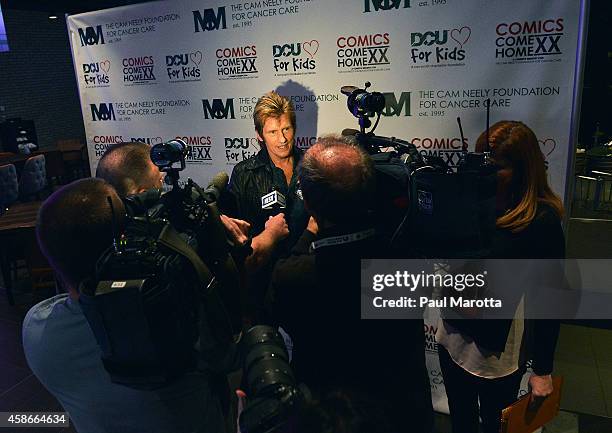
(25, 181)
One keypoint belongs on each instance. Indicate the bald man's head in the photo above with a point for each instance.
(336, 179)
(129, 169)
(75, 226)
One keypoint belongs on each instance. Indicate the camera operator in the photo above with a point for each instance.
(129, 169)
(273, 169)
(75, 226)
(315, 294)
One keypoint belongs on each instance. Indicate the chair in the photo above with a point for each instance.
(74, 154)
(56, 170)
(9, 186)
(33, 179)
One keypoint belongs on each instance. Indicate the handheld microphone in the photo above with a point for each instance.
(216, 186)
(274, 201)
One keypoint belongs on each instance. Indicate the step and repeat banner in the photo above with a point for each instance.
(195, 69)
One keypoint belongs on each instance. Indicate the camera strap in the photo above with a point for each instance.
(214, 307)
(171, 239)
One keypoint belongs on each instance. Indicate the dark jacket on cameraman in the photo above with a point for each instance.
(316, 298)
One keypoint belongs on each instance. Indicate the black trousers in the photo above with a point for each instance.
(464, 390)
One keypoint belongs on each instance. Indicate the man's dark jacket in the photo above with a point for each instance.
(252, 179)
(257, 176)
(316, 298)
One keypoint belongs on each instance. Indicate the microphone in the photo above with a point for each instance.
(216, 186)
(274, 201)
(348, 90)
(349, 132)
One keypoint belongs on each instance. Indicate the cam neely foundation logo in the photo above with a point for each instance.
(102, 112)
(218, 109)
(385, 5)
(209, 20)
(395, 106)
(91, 36)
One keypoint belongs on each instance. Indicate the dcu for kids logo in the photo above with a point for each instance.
(138, 70)
(184, 67)
(96, 74)
(529, 41)
(439, 47)
(296, 58)
(236, 62)
(238, 149)
(357, 53)
(151, 141)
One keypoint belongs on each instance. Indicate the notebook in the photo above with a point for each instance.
(525, 416)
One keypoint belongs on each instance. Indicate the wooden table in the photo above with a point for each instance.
(17, 234)
(58, 159)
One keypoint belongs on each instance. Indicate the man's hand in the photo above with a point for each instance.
(277, 228)
(237, 230)
(263, 244)
(312, 226)
(541, 386)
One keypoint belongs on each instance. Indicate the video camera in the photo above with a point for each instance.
(423, 206)
(168, 279)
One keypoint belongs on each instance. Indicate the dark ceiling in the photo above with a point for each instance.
(65, 6)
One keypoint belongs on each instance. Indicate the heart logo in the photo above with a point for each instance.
(156, 140)
(547, 146)
(311, 47)
(461, 35)
(105, 65)
(196, 57)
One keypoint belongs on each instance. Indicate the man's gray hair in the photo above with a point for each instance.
(336, 178)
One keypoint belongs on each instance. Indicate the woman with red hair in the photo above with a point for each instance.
(486, 361)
